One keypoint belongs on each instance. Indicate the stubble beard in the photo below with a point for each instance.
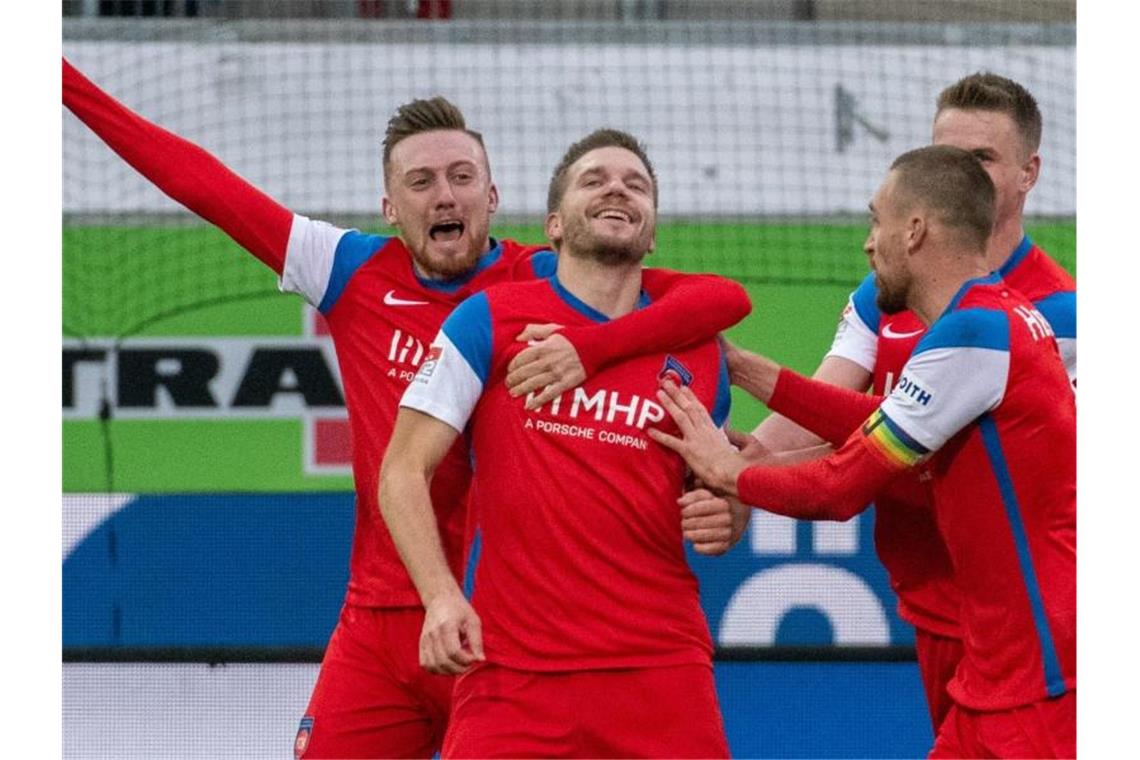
(439, 267)
(579, 238)
(891, 298)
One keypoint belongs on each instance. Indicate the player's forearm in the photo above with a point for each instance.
(405, 503)
(753, 373)
(184, 171)
(837, 487)
(687, 309)
(826, 410)
(780, 434)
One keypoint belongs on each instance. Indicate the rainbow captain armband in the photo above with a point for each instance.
(891, 441)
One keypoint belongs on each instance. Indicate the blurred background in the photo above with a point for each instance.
(207, 493)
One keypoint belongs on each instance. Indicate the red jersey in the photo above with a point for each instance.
(987, 398)
(382, 317)
(906, 536)
(581, 564)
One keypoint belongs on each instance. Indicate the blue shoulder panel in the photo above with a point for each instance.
(990, 279)
(968, 328)
(864, 300)
(352, 251)
(723, 402)
(1061, 310)
(544, 264)
(468, 327)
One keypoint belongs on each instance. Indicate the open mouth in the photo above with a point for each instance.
(446, 231)
(615, 215)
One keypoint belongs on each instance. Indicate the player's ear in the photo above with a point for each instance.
(389, 210)
(553, 228)
(1030, 171)
(493, 199)
(916, 230)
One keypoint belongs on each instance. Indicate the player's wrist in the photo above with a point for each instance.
(754, 373)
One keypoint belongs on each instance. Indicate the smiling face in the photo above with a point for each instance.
(607, 212)
(441, 198)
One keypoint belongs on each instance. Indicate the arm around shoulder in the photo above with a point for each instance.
(686, 309)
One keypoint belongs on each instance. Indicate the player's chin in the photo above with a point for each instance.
(450, 260)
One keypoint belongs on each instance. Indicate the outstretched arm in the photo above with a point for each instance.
(827, 410)
(184, 171)
(836, 487)
(687, 309)
(452, 636)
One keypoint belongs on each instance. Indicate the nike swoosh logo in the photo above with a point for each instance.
(391, 300)
(889, 333)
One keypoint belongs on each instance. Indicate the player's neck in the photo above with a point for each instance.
(1004, 241)
(611, 290)
(932, 293)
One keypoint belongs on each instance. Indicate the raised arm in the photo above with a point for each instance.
(686, 309)
(452, 636)
(184, 171)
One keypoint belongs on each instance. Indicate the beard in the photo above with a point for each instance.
(445, 267)
(891, 297)
(578, 236)
(437, 265)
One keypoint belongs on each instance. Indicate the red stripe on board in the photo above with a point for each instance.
(332, 442)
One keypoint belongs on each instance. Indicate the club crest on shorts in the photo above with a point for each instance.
(304, 733)
(674, 370)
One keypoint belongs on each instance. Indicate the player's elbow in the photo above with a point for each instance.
(736, 302)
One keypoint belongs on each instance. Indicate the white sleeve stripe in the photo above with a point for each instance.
(943, 390)
(445, 387)
(309, 258)
(854, 340)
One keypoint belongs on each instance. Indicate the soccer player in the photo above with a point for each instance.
(584, 636)
(998, 121)
(984, 410)
(384, 298)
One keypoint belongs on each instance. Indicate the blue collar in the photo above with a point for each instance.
(989, 279)
(584, 308)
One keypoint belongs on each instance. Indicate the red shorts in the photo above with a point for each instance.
(1043, 729)
(372, 698)
(938, 658)
(637, 712)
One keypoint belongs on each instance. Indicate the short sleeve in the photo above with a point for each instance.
(857, 336)
(451, 378)
(321, 258)
(958, 372)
